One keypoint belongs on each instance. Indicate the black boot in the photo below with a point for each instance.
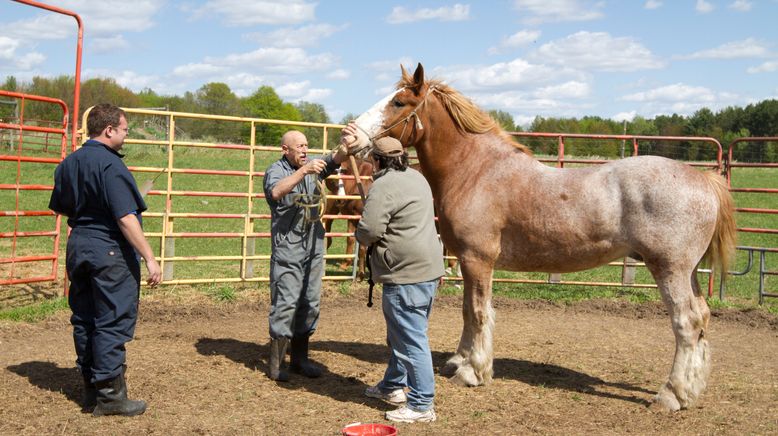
(277, 353)
(112, 399)
(299, 362)
(89, 401)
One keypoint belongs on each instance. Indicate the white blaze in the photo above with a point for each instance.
(372, 121)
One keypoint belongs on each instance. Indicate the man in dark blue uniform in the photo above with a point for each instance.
(297, 260)
(96, 191)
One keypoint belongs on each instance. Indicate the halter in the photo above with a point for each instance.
(309, 201)
(405, 120)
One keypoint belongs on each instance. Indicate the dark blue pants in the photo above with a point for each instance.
(104, 273)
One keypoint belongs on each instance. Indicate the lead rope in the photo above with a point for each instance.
(310, 201)
(370, 282)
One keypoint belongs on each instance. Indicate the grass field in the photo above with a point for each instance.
(740, 291)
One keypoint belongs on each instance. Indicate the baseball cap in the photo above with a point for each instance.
(388, 146)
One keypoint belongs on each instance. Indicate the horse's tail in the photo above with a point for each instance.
(722, 245)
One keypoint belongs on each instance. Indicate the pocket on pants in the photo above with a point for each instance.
(413, 298)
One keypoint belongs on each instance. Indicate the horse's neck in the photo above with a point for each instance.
(449, 156)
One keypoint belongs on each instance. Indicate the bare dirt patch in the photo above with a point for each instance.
(579, 368)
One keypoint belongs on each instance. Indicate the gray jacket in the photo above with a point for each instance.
(399, 219)
(288, 222)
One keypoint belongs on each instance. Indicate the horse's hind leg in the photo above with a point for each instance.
(689, 315)
(472, 363)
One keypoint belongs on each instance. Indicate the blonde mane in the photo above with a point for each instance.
(466, 115)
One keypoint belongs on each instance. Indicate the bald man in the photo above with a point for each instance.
(297, 260)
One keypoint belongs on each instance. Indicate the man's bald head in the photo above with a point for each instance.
(295, 147)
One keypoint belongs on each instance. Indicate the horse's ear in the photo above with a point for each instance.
(418, 79)
(406, 78)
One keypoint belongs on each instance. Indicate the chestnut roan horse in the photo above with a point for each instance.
(500, 208)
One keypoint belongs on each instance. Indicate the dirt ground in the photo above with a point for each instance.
(586, 368)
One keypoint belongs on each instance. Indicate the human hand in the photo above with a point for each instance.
(351, 140)
(314, 166)
(155, 273)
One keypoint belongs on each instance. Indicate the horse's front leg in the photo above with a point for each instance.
(472, 363)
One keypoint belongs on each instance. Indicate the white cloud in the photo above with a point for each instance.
(767, 67)
(653, 4)
(518, 39)
(506, 75)
(244, 84)
(598, 51)
(316, 94)
(544, 11)
(10, 59)
(624, 116)
(197, 70)
(678, 92)
(42, 27)
(8, 47)
(703, 7)
(741, 5)
(339, 74)
(100, 18)
(457, 12)
(747, 48)
(571, 89)
(296, 37)
(293, 89)
(248, 13)
(389, 70)
(681, 99)
(275, 60)
(104, 45)
(514, 101)
(108, 17)
(523, 120)
(126, 78)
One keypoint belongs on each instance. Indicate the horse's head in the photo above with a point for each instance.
(399, 114)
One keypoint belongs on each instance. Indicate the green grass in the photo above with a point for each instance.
(741, 291)
(223, 293)
(34, 312)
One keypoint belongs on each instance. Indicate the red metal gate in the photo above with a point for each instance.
(21, 222)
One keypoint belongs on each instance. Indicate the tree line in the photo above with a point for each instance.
(725, 125)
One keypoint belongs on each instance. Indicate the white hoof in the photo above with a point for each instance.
(665, 400)
(465, 376)
(452, 365)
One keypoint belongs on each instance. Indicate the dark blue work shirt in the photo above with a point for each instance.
(94, 188)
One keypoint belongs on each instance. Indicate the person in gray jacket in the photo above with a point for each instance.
(407, 258)
(297, 247)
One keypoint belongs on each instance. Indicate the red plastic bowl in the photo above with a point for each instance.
(369, 430)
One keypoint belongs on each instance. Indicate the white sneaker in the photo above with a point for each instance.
(404, 414)
(396, 396)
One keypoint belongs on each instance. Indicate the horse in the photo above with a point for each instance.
(336, 206)
(501, 208)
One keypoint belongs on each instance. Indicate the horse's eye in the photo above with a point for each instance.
(398, 103)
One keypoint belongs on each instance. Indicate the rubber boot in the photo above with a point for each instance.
(89, 400)
(300, 363)
(112, 399)
(277, 353)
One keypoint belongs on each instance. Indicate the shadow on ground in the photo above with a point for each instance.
(330, 384)
(351, 389)
(49, 376)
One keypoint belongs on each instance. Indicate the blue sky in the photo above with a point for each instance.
(553, 58)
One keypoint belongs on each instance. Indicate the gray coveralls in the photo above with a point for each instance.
(297, 260)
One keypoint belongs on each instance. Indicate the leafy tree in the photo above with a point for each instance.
(217, 99)
(504, 119)
(265, 103)
(315, 113)
(106, 90)
(149, 99)
(10, 84)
